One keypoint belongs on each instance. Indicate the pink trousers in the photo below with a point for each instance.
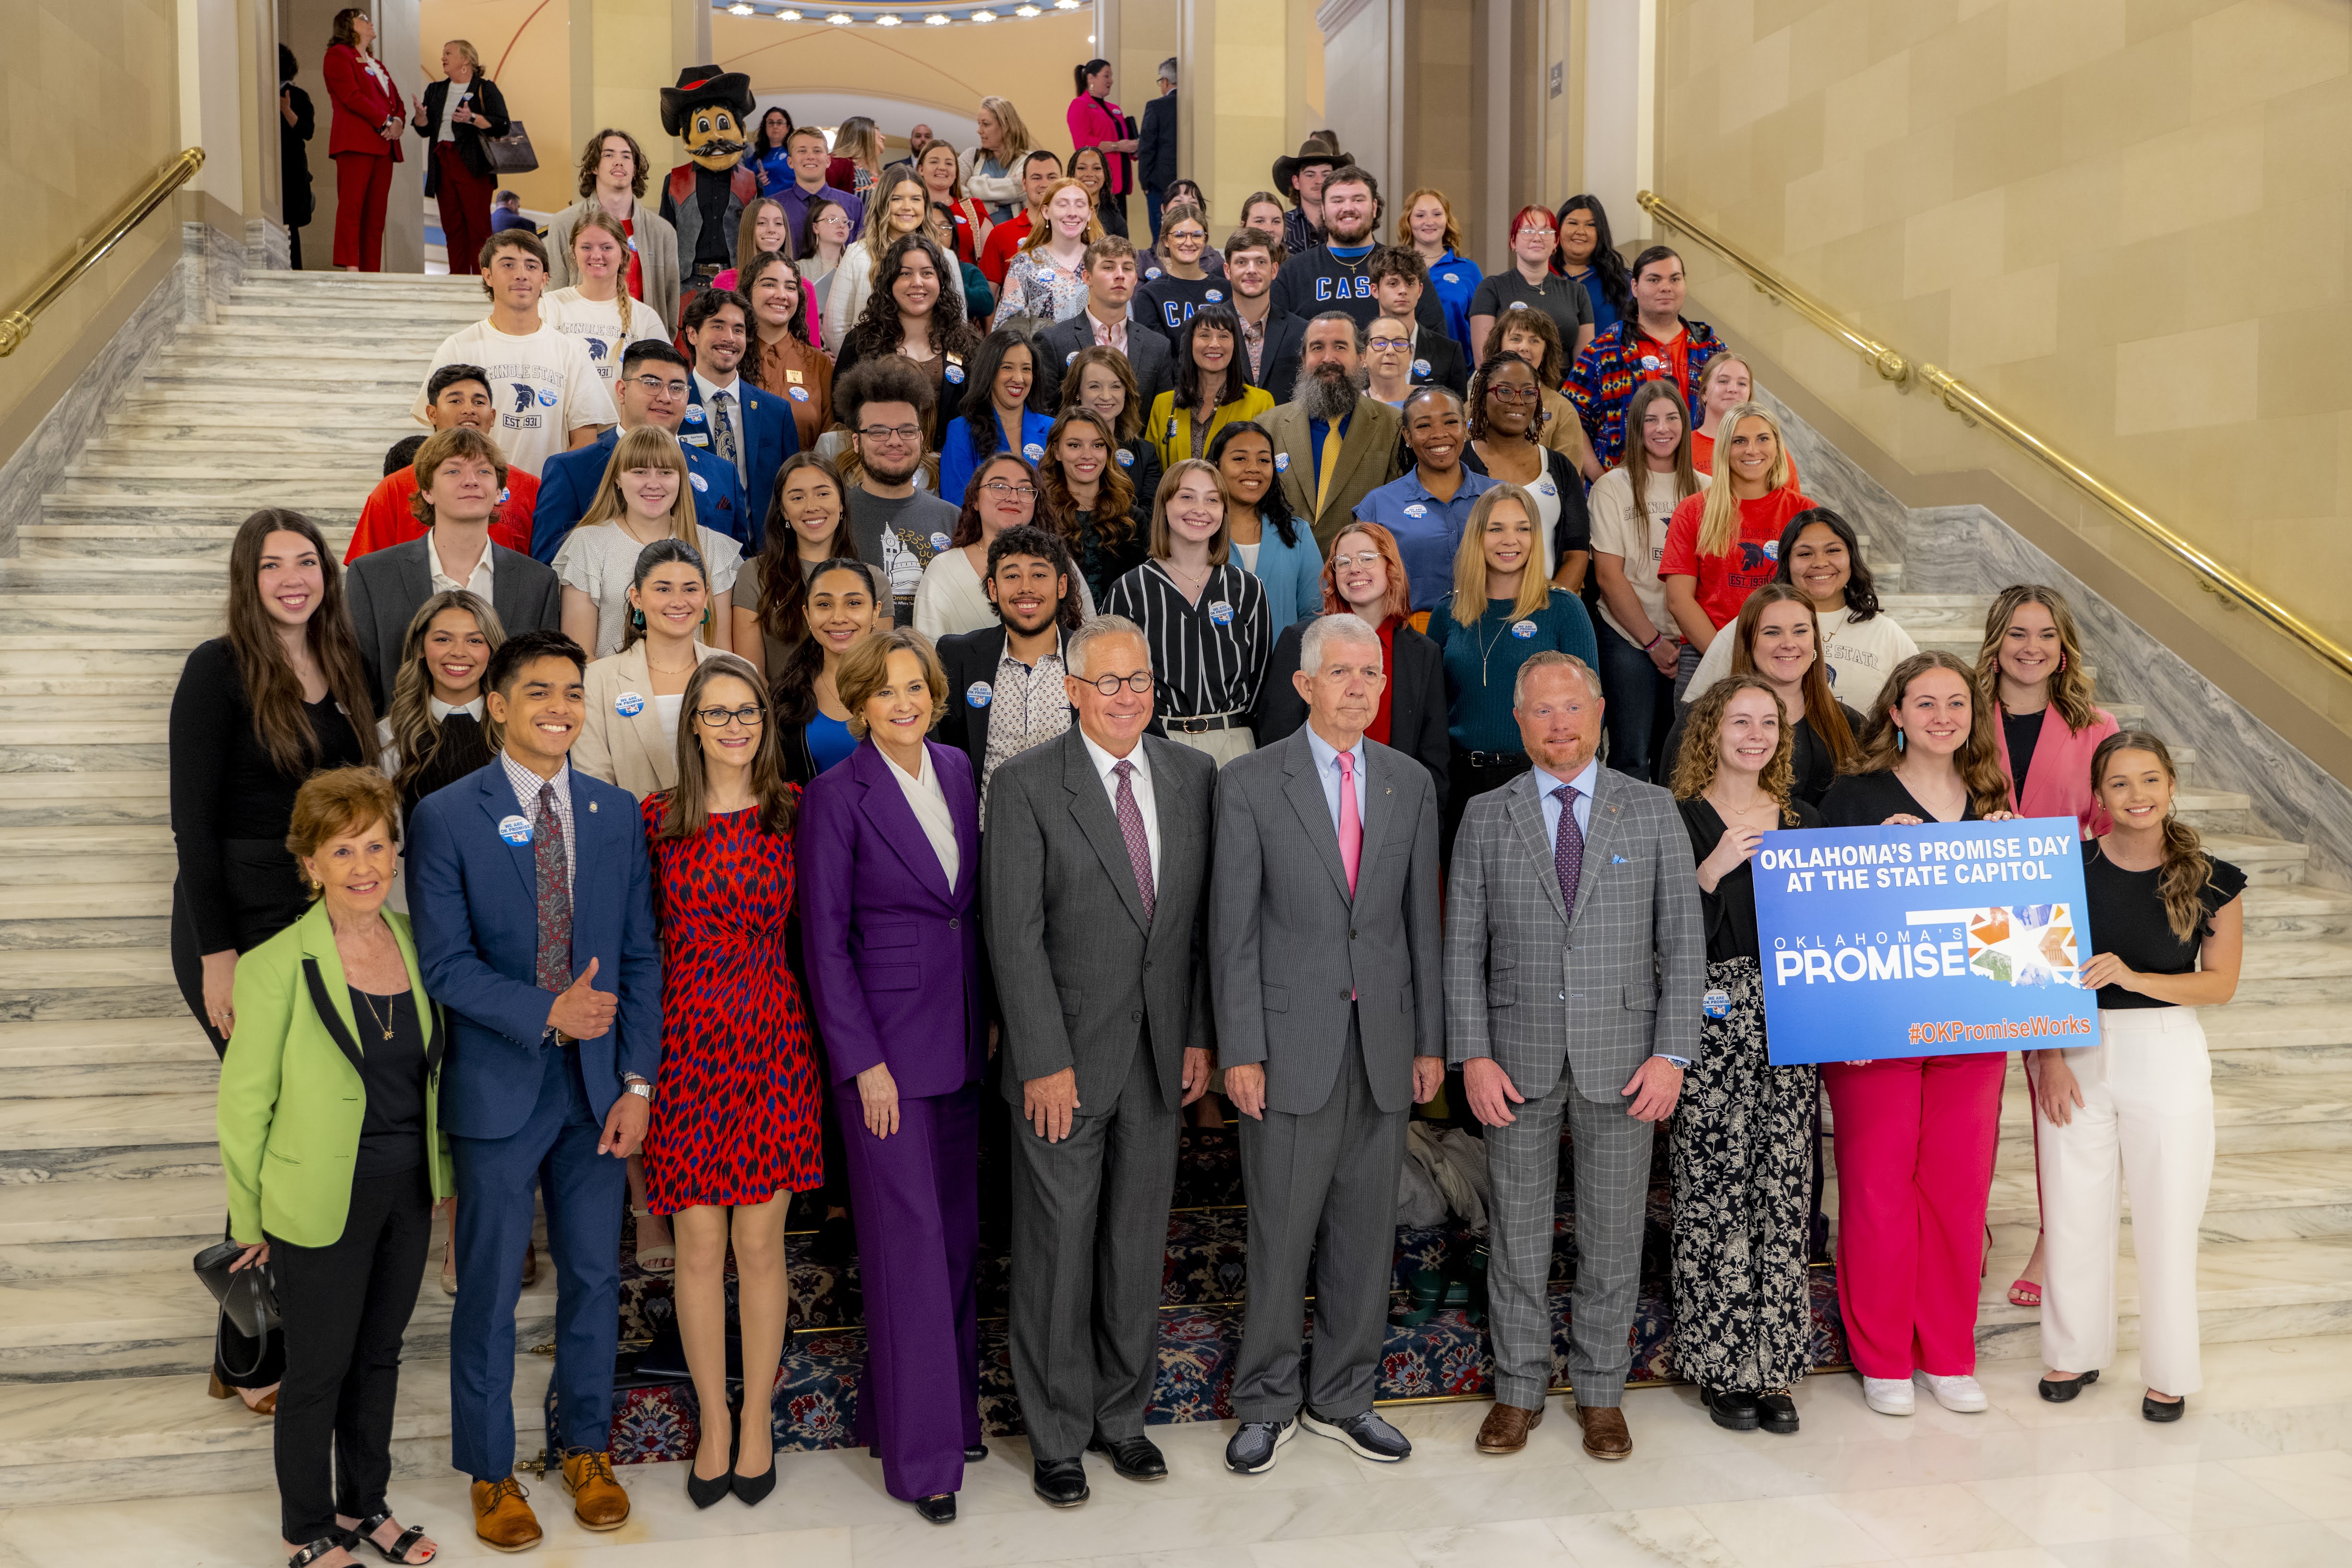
(1914, 1140)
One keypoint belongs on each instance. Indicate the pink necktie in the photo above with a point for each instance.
(1351, 827)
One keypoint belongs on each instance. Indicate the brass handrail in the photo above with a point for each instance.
(1965, 401)
(1885, 360)
(17, 324)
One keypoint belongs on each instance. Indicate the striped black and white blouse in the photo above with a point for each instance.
(1207, 657)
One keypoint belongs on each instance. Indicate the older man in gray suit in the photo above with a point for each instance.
(1324, 945)
(1574, 960)
(1094, 865)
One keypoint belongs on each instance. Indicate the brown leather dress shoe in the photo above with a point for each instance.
(1605, 1436)
(1505, 1428)
(598, 1501)
(501, 1518)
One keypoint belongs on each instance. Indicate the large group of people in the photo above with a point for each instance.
(824, 716)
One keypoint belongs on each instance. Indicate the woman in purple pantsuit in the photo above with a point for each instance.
(889, 854)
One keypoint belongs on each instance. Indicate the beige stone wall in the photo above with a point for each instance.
(2122, 222)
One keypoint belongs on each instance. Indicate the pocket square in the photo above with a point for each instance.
(1616, 860)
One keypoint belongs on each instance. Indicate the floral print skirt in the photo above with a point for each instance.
(1742, 1150)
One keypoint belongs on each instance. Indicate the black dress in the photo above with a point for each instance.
(1741, 1145)
(465, 747)
(1100, 563)
(295, 206)
(1865, 800)
(231, 806)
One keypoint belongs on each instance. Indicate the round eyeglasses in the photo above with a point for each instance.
(1140, 683)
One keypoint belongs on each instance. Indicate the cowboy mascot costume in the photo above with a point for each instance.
(704, 197)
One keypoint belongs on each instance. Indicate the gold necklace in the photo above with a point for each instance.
(382, 1021)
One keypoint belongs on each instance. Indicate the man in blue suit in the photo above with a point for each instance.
(654, 388)
(533, 897)
(728, 418)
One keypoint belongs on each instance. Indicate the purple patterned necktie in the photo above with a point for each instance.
(1131, 828)
(1567, 847)
(554, 896)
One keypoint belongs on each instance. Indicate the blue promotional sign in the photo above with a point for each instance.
(1944, 939)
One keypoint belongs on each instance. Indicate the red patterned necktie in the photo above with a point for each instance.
(554, 896)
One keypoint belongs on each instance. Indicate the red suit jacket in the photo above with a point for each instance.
(361, 106)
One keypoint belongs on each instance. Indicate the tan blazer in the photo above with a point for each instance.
(1368, 460)
(628, 749)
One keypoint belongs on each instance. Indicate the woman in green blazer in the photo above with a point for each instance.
(335, 1158)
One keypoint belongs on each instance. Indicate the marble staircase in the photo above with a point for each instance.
(289, 397)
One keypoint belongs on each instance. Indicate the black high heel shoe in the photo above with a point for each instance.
(752, 1490)
(702, 1493)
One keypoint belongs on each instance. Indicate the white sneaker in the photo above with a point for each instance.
(1887, 1396)
(1961, 1394)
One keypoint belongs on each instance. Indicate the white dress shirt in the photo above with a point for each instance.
(1326, 770)
(1139, 782)
(478, 582)
(526, 787)
(929, 800)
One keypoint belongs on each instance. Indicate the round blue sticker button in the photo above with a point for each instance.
(628, 705)
(979, 694)
(1523, 629)
(514, 830)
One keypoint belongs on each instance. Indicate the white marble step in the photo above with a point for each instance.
(2266, 861)
(42, 983)
(101, 1440)
(102, 1042)
(1913, 611)
(137, 439)
(2297, 913)
(91, 1213)
(109, 1138)
(80, 799)
(2260, 1038)
(88, 749)
(2307, 1112)
(334, 511)
(2277, 1193)
(39, 918)
(2247, 1290)
(158, 1320)
(180, 538)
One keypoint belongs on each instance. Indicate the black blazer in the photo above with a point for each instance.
(488, 103)
(386, 588)
(1416, 698)
(1148, 354)
(1285, 342)
(968, 656)
(1155, 152)
(1444, 357)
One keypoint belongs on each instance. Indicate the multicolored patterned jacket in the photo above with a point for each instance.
(1606, 374)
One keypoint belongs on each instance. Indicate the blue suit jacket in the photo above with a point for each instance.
(474, 902)
(957, 465)
(770, 434)
(568, 482)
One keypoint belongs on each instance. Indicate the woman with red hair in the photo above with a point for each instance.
(364, 140)
(1365, 577)
(1530, 284)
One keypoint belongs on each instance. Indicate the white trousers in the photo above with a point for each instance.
(2146, 1118)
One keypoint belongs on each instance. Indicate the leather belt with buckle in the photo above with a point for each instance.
(1494, 759)
(1201, 726)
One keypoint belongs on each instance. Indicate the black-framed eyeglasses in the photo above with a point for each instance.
(890, 432)
(1140, 683)
(720, 718)
(1007, 488)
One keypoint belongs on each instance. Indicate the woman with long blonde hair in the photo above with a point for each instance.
(1721, 543)
(1502, 610)
(645, 495)
(1742, 1143)
(991, 168)
(1425, 222)
(598, 309)
(1916, 1134)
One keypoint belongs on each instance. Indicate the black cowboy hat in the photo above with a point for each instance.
(698, 85)
(1311, 152)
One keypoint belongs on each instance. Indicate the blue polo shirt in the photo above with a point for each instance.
(1428, 531)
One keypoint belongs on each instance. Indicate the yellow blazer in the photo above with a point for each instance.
(292, 1098)
(1368, 460)
(628, 749)
(1171, 429)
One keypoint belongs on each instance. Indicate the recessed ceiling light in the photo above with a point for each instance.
(886, 21)
(1026, 11)
(788, 15)
(938, 19)
(739, 9)
(840, 18)
(1066, 5)
(983, 15)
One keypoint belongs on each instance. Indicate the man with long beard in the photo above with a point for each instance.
(1337, 274)
(1332, 445)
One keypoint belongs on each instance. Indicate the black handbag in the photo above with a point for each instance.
(247, 1297)
(511, 153)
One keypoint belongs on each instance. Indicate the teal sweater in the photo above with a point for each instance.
(1483, 660)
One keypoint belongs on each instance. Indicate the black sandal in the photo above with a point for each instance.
(397, 1553)
(316, 1550)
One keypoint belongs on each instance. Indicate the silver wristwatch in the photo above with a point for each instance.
(639, 1086)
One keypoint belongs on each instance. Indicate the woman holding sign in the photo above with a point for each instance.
(1743, 1133)
(1916, 1134)
(2169, 926)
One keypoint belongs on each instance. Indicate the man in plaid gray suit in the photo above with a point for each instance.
(1574, 960)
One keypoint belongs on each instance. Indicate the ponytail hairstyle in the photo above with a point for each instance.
(688, 807)
(2186, 870)
(2069, 688)
(597, 217)
(1079, 74)
(1822, 713)
(1702, 751)
(272, 689)
(1635, 460)
(1719, 520)
(661, 552)
(1978, 761)
(416, 734)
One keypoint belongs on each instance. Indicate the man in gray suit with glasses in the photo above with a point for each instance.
(1324, 945)
(1574, 960)
(1094, 868)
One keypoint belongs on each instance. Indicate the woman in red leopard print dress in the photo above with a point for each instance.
(733, 1132)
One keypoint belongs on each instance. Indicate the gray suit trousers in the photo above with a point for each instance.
(1089, 1250)
(1322, 1185)
(1612, 1153)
